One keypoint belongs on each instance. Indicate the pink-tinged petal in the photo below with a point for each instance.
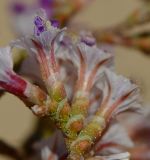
(14, 84)
(119, 94)
(33, 74)
(88, 60)
(41, 57)
(9, 81)
(68, 75)
(43, 46)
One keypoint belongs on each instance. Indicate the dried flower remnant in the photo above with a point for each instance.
(55, 52)
(124, 33)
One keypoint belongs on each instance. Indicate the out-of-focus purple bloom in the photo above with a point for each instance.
(18, 8)
(48, 6)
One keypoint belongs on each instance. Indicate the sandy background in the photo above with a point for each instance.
(16, 120)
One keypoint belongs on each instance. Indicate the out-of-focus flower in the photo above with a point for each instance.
(124, 32)
(15, 84)
(61, 11)
(138, 128)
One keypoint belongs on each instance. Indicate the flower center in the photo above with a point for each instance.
(39, 25)
(42, 25)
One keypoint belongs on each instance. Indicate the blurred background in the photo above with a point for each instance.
(17, 121)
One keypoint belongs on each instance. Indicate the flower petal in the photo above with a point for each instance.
(119, 94)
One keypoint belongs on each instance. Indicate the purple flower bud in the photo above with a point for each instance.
(55, 23)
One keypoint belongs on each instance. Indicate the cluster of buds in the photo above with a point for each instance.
(76, 87)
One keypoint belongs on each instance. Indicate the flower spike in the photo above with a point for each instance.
(92, 83)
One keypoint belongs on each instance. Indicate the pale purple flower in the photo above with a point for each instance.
(88, 60)
(18, 7)
(119, 94)
(9, 80)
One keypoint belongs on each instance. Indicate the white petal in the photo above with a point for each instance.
(6, 62)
